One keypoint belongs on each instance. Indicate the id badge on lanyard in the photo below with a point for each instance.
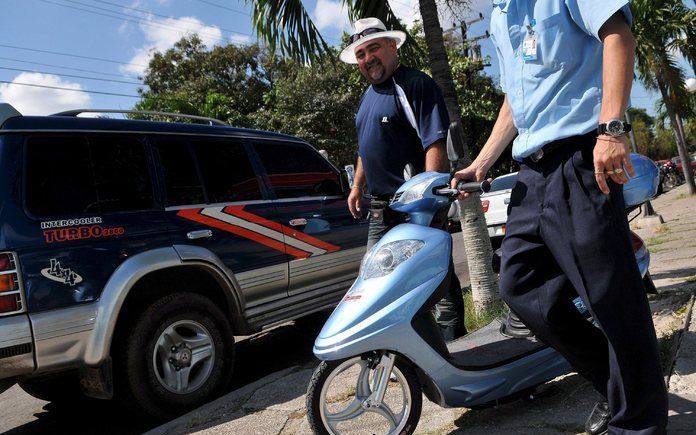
(529, 45)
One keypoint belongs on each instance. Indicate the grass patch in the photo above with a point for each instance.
(691, 278)
(653, 241)
(662, 229)
(471, 320)
(685, 195)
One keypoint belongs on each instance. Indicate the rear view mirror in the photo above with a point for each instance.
(455, 142)
(345, 182)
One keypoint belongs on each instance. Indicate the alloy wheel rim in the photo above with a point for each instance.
(363, 390)
(183, 357)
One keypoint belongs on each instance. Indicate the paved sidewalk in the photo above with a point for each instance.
(276, 404)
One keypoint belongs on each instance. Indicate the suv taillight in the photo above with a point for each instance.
(484, 203)
(11, 300)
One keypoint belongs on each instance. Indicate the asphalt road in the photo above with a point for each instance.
(285, 346)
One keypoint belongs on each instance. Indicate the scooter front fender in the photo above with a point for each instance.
(376, 313)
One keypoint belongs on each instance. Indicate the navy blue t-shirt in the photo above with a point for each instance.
(397, 120)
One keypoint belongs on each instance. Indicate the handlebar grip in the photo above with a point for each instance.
(471, 187)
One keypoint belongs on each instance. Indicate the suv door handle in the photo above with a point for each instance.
(199, 234)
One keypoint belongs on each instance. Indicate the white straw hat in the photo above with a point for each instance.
(367, 29)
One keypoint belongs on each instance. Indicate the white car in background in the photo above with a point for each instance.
(495, 204)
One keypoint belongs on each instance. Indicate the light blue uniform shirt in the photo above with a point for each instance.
(559, 94)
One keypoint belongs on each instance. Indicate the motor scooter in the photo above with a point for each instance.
(381, 348)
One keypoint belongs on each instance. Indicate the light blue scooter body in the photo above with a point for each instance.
(376, 314)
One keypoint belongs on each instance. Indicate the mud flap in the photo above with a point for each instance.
(97, 382)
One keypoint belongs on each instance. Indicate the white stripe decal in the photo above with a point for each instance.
(407, 108)
(217, 213)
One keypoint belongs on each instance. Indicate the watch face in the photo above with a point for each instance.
(615, 127)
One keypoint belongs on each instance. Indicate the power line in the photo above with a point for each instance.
(70, 89)
(71, 55)
(64, 67)
(143, 11)
(72, 76)
(132, 18)
(227, 8)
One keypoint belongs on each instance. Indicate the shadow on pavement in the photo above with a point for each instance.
(286, 346)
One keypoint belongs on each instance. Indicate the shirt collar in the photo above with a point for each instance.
(502, 4)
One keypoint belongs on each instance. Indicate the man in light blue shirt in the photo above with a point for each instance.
(566, 70)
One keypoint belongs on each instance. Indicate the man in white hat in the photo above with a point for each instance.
(402, 127)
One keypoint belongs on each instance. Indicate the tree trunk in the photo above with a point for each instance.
(675, 120)
(684, 156)
(484, 282)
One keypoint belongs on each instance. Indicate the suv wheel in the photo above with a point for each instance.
(178, 355)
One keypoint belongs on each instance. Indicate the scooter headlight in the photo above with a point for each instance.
(415, 192)
(388, 257)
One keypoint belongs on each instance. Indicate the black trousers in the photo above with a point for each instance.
(565, 238)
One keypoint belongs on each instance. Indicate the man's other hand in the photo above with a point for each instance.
(354, 199)
(612, 160)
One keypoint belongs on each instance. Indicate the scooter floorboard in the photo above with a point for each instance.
(487, 348)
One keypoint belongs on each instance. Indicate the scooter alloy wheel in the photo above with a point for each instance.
(343, 397)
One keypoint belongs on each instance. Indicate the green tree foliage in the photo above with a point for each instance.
(226, 83)
(318, 104)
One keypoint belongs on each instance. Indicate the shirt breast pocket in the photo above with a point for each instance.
(550, 51)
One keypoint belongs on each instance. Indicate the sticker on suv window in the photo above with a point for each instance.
(60, 274)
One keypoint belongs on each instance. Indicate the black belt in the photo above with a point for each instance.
(551, 147)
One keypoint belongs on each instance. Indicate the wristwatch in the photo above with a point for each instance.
(614, 127)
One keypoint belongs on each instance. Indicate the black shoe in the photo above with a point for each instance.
(598, 422)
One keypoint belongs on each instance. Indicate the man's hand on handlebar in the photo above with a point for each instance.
(472, 172)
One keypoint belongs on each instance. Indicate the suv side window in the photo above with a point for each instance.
(294, 170)
(86, 174)
(227, 172)
(184, 187)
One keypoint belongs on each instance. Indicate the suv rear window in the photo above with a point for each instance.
(227, 171)
(223, 164)
(68, 175)
(294, 170)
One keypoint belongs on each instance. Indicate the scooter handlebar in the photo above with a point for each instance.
(475, 186)
(464, 186)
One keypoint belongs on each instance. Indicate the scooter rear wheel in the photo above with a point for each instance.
(337, 394)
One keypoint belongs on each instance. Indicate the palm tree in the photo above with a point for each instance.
(286, 25)
(663, 28)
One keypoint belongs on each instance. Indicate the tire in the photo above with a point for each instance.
(183, 330)
(63, 388)
(321, 396)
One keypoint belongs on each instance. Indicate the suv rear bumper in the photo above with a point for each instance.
(16, 348)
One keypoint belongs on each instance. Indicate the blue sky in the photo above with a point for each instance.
(111, 40)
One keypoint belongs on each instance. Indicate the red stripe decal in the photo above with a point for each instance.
(238, 210)
(194, 215)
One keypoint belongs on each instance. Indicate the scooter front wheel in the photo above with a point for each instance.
(375, 393)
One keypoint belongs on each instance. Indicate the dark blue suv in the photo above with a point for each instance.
(132, 252)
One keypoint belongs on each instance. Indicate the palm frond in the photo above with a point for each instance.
(286, 25)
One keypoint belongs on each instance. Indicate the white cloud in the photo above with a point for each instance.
(407, 11)
(162, 34)
(331, 15)
(42, 101)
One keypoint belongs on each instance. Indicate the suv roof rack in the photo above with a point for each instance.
(211, 121)
(7, 112)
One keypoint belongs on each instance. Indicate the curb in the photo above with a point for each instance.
(209, 412)
(676, 345)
